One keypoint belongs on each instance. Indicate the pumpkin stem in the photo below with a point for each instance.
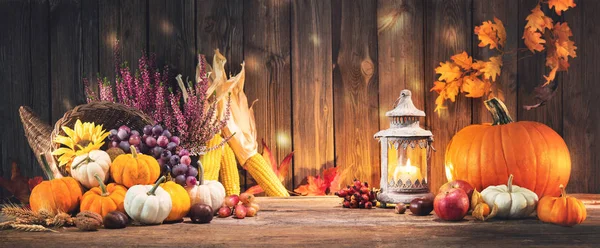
(499, 111)
(133, 151)
(200, 173)
(509, 184)
(153, 189)
(86, 160)
(102, 185)
(47, 169)
(563, 192)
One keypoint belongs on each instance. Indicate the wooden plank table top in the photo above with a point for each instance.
(321, 222)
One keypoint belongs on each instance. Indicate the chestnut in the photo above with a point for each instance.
(400, 208)
(201, 213)
(115, 220)
(421, 206)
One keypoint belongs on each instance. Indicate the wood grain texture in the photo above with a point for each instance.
(531, 72)
(355, 90)
(400, 54)
(268, 71)
(448, 31)
(312, 89)
(581, 129)
(133, 34)
(109, 12)
(89, 41)
(65, 56)
(219, 26)
(486, 10)
(324, 223)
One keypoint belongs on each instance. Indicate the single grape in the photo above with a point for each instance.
(134, 132)
(174, 160)
(157, 130)
(151, 142)
(114, 144)
(166, 155)
(162, 141)
(167, 134)
(183, 152)
(156, 151)
(179, 169)
(176, 140)
(124, 145)
(125, 128)
(192, 171)
(134, 139)
(144, 148)
(190, 181)
(171, 146)
(112, 134)
(144, 137)
(123, 135)
(186, 160)
(147, 130)
(180, 180)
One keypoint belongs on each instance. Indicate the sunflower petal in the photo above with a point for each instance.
(65, 141)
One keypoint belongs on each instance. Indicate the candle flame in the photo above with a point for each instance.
(407, 172)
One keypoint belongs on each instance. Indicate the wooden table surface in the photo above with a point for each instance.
(321, 222)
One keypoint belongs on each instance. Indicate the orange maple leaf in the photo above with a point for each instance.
(475, 87)
(498, 27)
(486, 35)
(463, 60)
(330, 182)
(281, 171)
(439, 102)
(452, 89)
(438, 86)
(561, 5)
(448, 71)
(492, 68)
(537, 20)
(533, 40)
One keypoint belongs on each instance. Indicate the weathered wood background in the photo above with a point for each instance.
(325, 72)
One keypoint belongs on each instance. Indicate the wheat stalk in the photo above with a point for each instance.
(31, 228)
(6, 225)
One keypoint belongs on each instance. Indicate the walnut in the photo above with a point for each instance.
(88, 221)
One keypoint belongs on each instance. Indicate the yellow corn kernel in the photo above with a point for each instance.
(211, 161)
(230, 176)
(261, 171)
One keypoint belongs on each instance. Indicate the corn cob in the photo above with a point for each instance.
(261, 171)
(211, 161)
(229, 172)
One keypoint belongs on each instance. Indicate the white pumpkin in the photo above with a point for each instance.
(513, 202)
(207, 192)
(148, 204)
(87, 165)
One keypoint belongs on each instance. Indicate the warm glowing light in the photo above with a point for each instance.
(406, 172)
(166, 27)
(314, 38)
(283, 140)
(449, 169)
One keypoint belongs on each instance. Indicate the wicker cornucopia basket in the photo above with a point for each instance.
(111, 115)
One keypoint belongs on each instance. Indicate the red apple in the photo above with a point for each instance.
(458, 184)
(451, 205)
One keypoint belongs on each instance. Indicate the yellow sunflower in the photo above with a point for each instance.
(85, 137)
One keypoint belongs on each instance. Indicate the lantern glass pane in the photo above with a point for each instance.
(407, 163)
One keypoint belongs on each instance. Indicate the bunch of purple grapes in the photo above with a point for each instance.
(155, 141)
(181, 170)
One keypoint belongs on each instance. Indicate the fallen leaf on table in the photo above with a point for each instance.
(319, 186)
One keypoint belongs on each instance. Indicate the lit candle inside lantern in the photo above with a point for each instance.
(406, 172)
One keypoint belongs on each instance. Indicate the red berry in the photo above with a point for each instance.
(346, 204)
(350, 191)
(365, 198)
(342, 193)
(364, 190)
(366, 184)
(368, 205)
(357, 184)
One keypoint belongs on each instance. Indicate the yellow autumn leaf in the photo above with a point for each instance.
(537, 20)
(463, 60)
(498, 27)
(438, 86)
(551, 76)
(561, 5)
(448, 71)
(492, 68)
(475, 87)
(562, 31)
(486, 35)
(452, 89)
(533, 40)
(439, 102)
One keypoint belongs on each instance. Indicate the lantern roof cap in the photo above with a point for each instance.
(404, 106)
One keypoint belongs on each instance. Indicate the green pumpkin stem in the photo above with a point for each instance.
(102, 185)
(86, 160)
(509, 184)
(47, 169)
(153, 189)
(200, 173)
(499, 111)
(133, 151)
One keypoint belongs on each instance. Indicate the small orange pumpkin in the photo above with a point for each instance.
(179, 198)
(134, 169)
(104, 198)
(54, 195)
(564, 210)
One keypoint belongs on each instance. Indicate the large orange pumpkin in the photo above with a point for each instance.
(104, 198)
(54, 195)
(134, 169)
(564, 210)
(487, 154)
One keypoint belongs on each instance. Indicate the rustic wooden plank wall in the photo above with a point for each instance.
(324, 72)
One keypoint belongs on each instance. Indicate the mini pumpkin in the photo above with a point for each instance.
(148, 204)
(133, 169)
(513, 202)
(179, 198)
(104, 198)
(207, 192)
(85, 167)
(55, 195)
(564, 210)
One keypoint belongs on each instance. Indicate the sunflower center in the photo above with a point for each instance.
(82, 143)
